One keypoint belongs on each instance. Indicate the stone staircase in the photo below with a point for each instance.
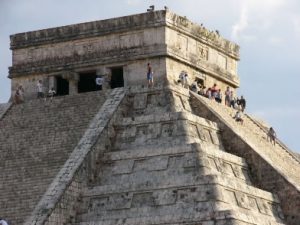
(258, 136)
(168, 166)
(264, 131)
(36, 140)
(283, 164)
(4, 108)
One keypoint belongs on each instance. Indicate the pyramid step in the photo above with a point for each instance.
(138, 209)
(167, 127)
(190, 212)
(181, 180)
(164, 162)
(171, 148)
(200, 187)
(204, 218)
(202, 191)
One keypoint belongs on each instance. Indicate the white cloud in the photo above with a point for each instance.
(133, 2)
(255, 16)
(276, 41)
(241, 25)
(296, 25)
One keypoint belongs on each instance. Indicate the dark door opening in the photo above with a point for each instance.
(200, 82)
(87, 82)
(62, 86)
(117, 79)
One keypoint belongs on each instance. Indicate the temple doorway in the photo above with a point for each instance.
(200, 82)
(117, 79)
(87, 82)
(62, 86)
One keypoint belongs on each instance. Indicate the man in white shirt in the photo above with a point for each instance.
(99, 82)
(3, 222)
(51, 93)
(181, 78)
(40, 93)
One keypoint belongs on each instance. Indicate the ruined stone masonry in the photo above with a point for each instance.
(130, 154)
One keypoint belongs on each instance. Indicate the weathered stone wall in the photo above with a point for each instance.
(29, 84)
(135, 72)
(88, 55)
(174, 68)
(129, 42)
(110, 42)
(209, 60)
(206, 36)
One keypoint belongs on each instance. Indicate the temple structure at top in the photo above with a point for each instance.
(69, 58)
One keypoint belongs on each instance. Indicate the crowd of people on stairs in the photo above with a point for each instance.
(215, 93)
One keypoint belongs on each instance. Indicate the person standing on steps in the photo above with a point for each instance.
(19, 95)
(194, 87)
(271, 136)
(40, 92)
(227, 96)
(149, 75)
(218, 97)
(181, 78)
(51, 93)
(242, 103)
(99, 82)
(186, 81)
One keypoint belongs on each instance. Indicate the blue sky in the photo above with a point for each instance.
(268, 32)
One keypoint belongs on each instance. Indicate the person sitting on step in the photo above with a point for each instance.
(238, 117)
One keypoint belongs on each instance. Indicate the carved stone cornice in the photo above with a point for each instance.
(58, 64)
(123, 24)
(208, 68)
(87, 30)
(62, 64)
(200, 33)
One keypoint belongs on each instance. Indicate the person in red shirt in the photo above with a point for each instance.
(214, 90)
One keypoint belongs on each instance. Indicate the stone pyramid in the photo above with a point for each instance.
(134, 155)
(156, 156)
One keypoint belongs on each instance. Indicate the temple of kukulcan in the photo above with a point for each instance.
(133, 152)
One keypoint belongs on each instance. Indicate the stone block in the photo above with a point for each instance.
(123, 167)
